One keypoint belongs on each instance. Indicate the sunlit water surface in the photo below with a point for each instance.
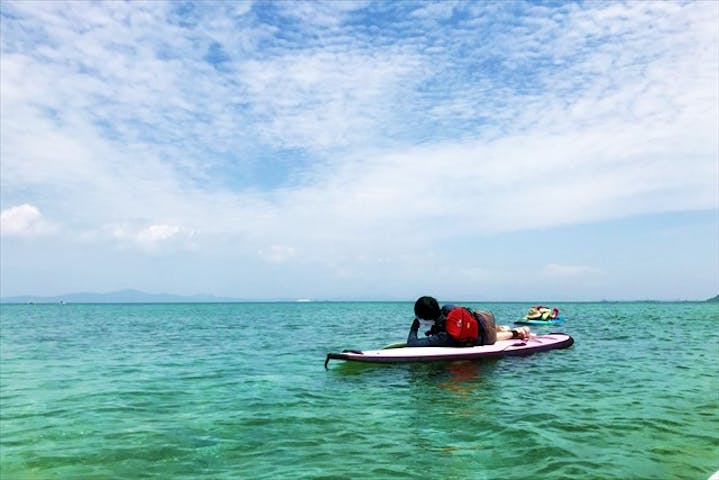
(228, 391)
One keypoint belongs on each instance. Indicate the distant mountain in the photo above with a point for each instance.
(715, 299)
(120, 296)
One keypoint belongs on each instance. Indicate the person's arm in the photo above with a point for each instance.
(441, 339)
(412, 339)
(520, 333)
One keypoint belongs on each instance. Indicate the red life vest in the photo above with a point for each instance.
(462, 325)
(471, 328)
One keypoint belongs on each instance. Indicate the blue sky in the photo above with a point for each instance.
(361, 150)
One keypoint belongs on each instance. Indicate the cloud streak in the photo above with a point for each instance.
(554, 270)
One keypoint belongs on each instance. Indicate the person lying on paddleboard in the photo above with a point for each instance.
(458, 326)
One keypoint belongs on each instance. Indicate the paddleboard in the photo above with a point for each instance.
(501, 348)
(551, 321)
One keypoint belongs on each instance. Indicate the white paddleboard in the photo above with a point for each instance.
(501, 348)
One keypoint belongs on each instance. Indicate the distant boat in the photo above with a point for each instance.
(303, 300)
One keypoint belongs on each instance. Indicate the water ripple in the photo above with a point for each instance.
(216, 392)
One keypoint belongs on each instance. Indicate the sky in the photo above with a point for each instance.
(353, 150)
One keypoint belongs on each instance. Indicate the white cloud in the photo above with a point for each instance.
(555, 270)
(161, 238)
(325, 14)
(24, 220)
(325, 99)
(157, 233)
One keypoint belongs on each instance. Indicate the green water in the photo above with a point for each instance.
(239, 391)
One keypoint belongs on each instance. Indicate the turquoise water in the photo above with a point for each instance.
(228, 391)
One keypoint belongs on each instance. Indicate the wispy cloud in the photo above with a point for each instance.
(333, 132)
(156, 238)
(554, 270)
(277, 253)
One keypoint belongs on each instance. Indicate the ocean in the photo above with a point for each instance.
(239, 391)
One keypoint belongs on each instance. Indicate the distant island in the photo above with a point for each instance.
(120, 296)
(137, 296)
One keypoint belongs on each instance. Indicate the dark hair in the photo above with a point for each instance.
(427, 308)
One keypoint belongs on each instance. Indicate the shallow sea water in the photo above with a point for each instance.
(228, 391)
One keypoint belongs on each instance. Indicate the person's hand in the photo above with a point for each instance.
(524, 333)
(415, 324)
